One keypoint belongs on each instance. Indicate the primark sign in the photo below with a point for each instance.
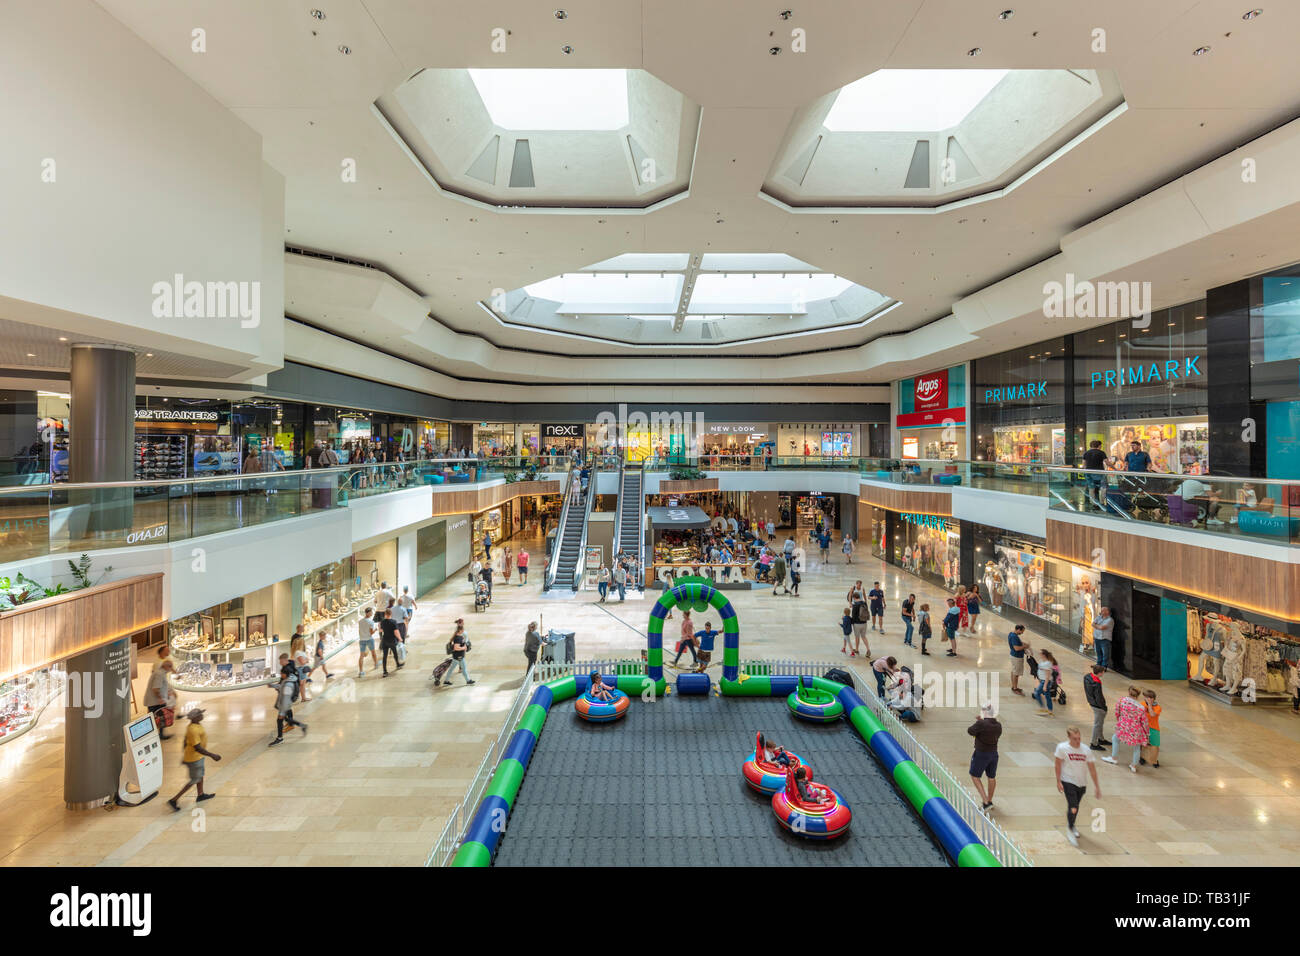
(1151, 373)
(1015, 393)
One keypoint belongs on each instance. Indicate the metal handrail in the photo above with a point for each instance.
(580, 565)
(552, 562)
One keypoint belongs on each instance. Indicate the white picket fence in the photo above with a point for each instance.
(1007, 852)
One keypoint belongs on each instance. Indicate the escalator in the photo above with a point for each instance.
(630, 520)
(565, 566)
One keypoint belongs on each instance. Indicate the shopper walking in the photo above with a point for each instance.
(620, 581)
(778, 573)
(951, 619)
(1094, 460)
(318, 659)
(1049, 676)
(196, 748)
(876, 599)
(408, 604)
(302, 661)
(909, 618)
(706, 638)
(1153, 728)
(847, 547)
(984, 761)
(1093, 694)
(796, 577)
(1074, 763)
(963, 610)
(389, 637)
(973, 608)
(1132, 728)
(532, 644)
(687, 640)
(160, 695)
(1103, 632)
(486, 575)
(366, 628)
(602, 583)
(846, 625)
(824, 542)
(458, 647)
(285, 692)
(521, 563)
(1018, 649)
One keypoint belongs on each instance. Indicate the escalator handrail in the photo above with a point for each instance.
(580, 566)
(552, 563)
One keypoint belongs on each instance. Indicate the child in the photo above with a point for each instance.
(775, 753)
(597, 688)
(319, 663)
(808, 792)
(923, 626)
(795, 578)
(846, 625)
(1153, 724)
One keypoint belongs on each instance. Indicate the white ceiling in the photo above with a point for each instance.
(313, 107)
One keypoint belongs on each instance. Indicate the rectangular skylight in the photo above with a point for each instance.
(579, 293)
(551, 100)
(910, 101)
(763, 294)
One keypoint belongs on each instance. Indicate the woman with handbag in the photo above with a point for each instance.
(1132, 726)
(159, 696)
(1049, 679)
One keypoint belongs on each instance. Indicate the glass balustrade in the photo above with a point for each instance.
(1262, 509)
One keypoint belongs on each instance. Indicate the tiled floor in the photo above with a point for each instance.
(387, 758)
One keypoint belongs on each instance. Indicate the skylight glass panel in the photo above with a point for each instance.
(910, 101)
(765, 294)
(551, 100)
(582, 293)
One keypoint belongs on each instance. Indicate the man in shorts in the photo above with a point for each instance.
(984, 761)
(196, 743)
(876, 598)
(366, 628)
(1018, 650)
(705, 637)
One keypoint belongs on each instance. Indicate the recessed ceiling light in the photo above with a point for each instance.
(1251, 14)
(786, 14)
(1006, 14)
(63, 338)
(1201, 51)
(974, 51)
(148, 355)
(566, 49)
(561, 15)
(344, 49)
(774, 51)
(318, 14)
(31, 355)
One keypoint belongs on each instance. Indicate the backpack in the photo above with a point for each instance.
(1033, 665)
(860, 614)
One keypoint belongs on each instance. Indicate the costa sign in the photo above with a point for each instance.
(931, 391)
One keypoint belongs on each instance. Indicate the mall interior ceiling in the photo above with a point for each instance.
(518, 202)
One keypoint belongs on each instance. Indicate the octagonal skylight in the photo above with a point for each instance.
(691, 300)
(554, 99)
(910, 100)
(930, 138)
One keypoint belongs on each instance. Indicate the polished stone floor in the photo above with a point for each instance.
(386, 759)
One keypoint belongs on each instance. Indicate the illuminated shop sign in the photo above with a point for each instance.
(561, 431)
(176, 415)
(1147, 374)
(1014, 393)
(925, 521)
(931, 391)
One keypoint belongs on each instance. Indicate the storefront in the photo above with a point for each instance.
(825, 440)
(502, 522)
(928, 546)
(736, 442)
(562, 438)
(1274, 323)
(1019, 405)
(182, 438)
(495, 438)
(237, 643)
(1146, 385)
(931, 417)
(24, 697)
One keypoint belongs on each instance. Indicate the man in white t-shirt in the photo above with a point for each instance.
(400, 615)
(408, 602)
(387, 597)
(1074, 762)
(366, 628)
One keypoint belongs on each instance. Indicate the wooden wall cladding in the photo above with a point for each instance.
(921, 499)
(1240, 579)
(686, 487)
(43, 632)
(475, 500)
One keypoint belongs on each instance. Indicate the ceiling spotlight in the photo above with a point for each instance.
(1201, 51)
(64, 338)
(786, 14)
(974, 51)
(566, 49)
(561, 15)
(318, 14)
(1006, 14)
(344, 49)
(1251, 14)
(31, 355)
(148, 355)
(774, 51)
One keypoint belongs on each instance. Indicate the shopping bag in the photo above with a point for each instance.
(168, 716)
(401, 652)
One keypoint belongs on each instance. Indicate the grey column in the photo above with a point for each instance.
(97, 708)
(102, 434)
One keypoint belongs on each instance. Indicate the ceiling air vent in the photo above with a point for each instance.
(521, 170)
(484, 168)
(918, 173)
(799, 168)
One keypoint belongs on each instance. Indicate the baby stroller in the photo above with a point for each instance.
(482, 596)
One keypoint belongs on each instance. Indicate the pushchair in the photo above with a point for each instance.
(482, 596)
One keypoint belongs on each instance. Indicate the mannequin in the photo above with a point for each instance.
(1212, 651)
(1233, 654)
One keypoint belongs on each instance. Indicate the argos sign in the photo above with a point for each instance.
(931, 391)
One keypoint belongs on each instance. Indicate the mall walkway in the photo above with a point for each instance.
(386, 759)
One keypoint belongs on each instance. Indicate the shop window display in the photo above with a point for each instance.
(929, 547)
(1021, 576)
(24, 697)
(1235, 657)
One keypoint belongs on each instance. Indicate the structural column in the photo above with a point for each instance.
(101, 436)
(97, 708)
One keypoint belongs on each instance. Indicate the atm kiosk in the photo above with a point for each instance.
(144, 767)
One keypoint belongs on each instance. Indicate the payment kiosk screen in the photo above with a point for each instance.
(141, 727)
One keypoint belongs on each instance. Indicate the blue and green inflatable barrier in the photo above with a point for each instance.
(489, 821)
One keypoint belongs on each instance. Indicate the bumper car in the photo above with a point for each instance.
(825, 818)
(812, 704)
(599, 711)
(764, 776)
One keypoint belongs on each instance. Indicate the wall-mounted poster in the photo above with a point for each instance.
(208, 626)
(595, 556)
(230, 629)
